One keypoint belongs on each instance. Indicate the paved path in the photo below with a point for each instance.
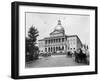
(53, 61)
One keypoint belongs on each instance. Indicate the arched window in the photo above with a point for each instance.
(49, 41)
(49, 49)
(62, 47)
(53, 49)
(59, 48)
(62, 39)
(59, 40)
(45, 49)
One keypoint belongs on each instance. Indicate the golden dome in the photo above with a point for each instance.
(58, 29)
(59, 26)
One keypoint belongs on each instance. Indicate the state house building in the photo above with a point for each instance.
(58, 41)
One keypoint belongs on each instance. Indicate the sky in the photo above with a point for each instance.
(74, 24)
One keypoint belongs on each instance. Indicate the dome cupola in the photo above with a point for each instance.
(59, 26)
(58, 31)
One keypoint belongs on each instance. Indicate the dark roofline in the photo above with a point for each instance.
(53, 37)
(56, 33)
(72, 36)
(41, 40)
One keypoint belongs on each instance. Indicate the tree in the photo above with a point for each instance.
(31, 48)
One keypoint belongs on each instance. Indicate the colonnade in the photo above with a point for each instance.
(54, 49)
(57, 40)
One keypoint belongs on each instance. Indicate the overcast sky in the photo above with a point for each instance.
(73, 24)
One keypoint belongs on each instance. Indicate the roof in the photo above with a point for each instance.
(53, 37)
(58, 31)
(41, 40)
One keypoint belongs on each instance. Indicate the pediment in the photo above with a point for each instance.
(56, 32)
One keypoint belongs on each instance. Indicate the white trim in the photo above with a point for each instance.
(36, 71)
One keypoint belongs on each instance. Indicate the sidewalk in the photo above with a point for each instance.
(53, 61)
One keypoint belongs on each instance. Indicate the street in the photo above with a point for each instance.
(53, 61)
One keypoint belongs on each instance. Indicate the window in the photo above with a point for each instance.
(56, 48)
(45, 41)
(59, 47)
(49, 41)
(62, 39)
(49, 49)
(45, 49)
(62, 47)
